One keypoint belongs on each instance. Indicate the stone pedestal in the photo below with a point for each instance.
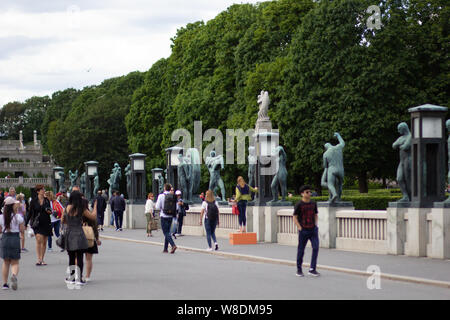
(416, 235)
(256, 221)
(396, 228)
(327, 221)
(134, 217)
(440, 242)
(271, 221)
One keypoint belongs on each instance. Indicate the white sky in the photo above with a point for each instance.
(51, 45)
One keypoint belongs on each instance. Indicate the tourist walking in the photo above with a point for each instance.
(55, 217)
(75, 240)
(40, 222)
(89, 253)
(305, 218)
(22, 210)
(11, 223)
(167, 205)
(118, 207)
(150, 213)
(101, 207)
(243, 195)
(209, 217)
(111, 220)
(181, 212)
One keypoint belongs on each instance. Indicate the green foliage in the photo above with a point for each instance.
(324, 69)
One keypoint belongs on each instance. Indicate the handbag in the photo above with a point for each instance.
(89, 233)
(61, 241)
(235, 209)
(35, 222)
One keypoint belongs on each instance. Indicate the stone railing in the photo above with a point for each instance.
(356, 230)
(26, 165)
(25, 182)
(228, 222)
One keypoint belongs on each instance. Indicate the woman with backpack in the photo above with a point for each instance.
(243, 195)
(209, 216)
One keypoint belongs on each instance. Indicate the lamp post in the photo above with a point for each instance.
(428, 155)
(266, 142)
(157, 179)
(172, 165)
(91, 171)
(138, 178)
(56, 177)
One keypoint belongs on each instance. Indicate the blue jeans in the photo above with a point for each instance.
(55, 227)
(111, 221)
(303, 237)
(242, 206)
(210, 228)
(119, 219)
(166, 223)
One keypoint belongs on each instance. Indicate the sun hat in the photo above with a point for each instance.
(10, 200)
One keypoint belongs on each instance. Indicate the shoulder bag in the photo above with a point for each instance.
(89, 233)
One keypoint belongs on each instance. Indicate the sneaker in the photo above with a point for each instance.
(49, 250)
(209, 249)
(5, 287)
(165, 251)
(117, 229)
(121, 229)
(24, 250)
(174, 236)
(80, 282)
(217, 247)
(314, 273)
(69, 281)
(173, 249)
(299, 274)
(14, 282)
(87, 280)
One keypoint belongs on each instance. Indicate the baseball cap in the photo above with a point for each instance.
(10, 200)
(178, 192)
(58, 194)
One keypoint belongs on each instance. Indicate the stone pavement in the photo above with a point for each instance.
(402, 266)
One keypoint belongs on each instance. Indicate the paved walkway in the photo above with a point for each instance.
(402, 266)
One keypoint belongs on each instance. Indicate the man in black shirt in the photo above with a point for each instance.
(305, 217)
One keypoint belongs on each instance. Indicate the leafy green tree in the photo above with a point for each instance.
(11, 116)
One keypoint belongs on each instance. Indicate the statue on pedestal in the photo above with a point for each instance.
(61, 181)
(280, 178)
(263, 102)
(215, 164)
(184, 177)
(73, 176)
(114, 179)
(193, 158)
(128, 177)
(403, 143)
(96, 184)
(333, 174)
(83, 183)
(252, 166)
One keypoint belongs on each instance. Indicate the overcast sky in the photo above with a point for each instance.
(51, 45)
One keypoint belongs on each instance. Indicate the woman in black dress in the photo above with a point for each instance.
(40, 212)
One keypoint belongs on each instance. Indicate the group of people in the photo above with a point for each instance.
(48, 213)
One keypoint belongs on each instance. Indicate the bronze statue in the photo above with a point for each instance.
(333, 174)
(403, 143)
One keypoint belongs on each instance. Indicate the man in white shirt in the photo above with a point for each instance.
(166, 219)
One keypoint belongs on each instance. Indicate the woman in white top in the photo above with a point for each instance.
(150, 213)
(10, 225)
(210, 219)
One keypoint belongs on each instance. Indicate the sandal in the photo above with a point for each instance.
(39, 263)
(43, 263)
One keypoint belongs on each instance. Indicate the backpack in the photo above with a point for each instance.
(212, 212)
(170, 204)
